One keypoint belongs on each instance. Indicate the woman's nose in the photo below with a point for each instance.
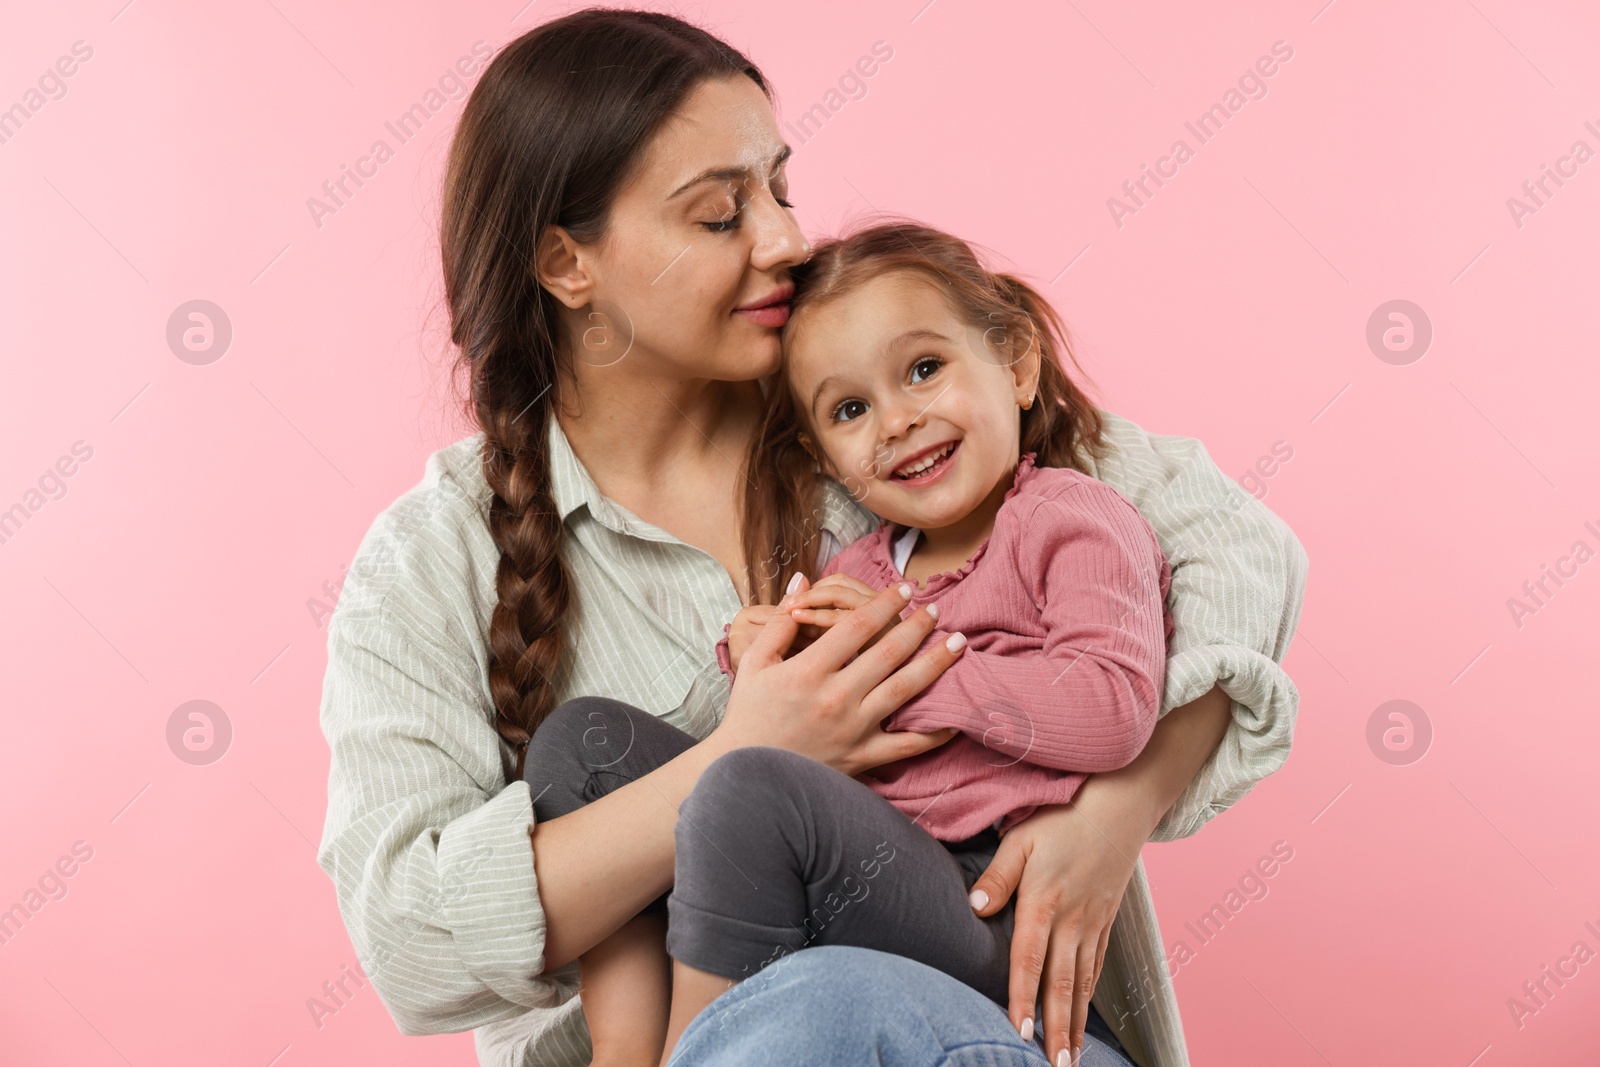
(779, 242)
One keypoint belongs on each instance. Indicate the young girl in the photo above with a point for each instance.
(931, 388)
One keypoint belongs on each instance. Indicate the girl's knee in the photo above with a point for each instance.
(583, 724)
(584, 712)
(745, 795)
(578, 738)
(753, 775)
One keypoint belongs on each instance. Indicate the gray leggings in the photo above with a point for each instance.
(777, 852)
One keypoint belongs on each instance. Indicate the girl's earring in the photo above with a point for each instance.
(1029, 405)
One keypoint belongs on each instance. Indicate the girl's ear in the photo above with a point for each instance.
(562, 269)
(1025, 373)
(817, 455)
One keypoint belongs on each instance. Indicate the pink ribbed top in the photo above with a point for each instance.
(1064, 610)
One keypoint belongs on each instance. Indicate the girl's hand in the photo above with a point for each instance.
(829, 701)
(823, 604)
(1069, 875)
(746, 625)
(818, 608)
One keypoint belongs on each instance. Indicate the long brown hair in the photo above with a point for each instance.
(783, 495)
(554, 127)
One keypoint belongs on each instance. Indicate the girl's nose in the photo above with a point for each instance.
(898, 418)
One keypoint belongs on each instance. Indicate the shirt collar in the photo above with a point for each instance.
(843, 516)
(570, 484)
(572, 488)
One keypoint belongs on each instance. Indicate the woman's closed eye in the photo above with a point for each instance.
(730, 219)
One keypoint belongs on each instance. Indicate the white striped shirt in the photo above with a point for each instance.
(426, 836)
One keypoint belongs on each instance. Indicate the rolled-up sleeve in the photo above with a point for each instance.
(427, 845)
(1238, 576)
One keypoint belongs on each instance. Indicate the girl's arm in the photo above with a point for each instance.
(1087, 699)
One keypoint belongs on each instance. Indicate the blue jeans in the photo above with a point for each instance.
(840, 1004)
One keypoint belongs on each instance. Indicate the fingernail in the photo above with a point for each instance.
(905, 591)
(1064, 1058)
(1027, 1028)
(980, 900)
(956, 642)
(794, 583)
(933, 612)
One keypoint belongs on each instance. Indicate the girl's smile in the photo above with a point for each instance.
(927, 466)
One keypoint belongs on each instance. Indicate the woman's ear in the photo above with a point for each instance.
(562, 268)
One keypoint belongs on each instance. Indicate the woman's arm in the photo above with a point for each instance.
(599, 865)
(1069, 865)
(1238, 575)
(455, 919)
(426, 844)
(1139, 795)
(1238, 578)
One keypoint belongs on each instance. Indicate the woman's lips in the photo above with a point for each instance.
(773, 315)
(771, 310)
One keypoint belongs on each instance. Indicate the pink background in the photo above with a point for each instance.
(1232, 307)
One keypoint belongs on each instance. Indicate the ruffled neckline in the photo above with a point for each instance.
(881, 551)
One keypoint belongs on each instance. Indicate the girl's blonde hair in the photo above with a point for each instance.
(782, 492)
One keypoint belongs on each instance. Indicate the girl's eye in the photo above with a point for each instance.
(849, 409)
(925, 368)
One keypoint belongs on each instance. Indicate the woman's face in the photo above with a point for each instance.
(692, 277)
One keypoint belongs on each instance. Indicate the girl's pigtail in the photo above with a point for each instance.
(1064, 425)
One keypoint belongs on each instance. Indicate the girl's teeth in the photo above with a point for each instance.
(923, 464)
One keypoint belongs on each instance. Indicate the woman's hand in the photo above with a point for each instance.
(1069, 874)
(828, 701)
(1069, 865)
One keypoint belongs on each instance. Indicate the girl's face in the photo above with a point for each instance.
(915, 410)
(691, 280)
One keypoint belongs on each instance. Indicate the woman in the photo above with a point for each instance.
(616, 243)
